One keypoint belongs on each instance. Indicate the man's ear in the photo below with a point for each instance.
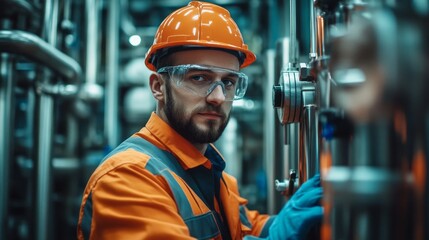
(157, 87)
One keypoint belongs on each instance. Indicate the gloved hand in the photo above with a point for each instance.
(300, 214)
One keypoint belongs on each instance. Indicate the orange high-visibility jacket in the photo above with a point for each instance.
(141, 191)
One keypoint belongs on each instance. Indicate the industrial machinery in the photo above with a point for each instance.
(360, 105)
(47, 99)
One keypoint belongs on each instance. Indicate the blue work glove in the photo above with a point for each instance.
(301, 213)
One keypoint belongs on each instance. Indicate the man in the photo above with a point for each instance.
(167, 180)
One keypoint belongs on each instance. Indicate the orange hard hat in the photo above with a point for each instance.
(198, 25)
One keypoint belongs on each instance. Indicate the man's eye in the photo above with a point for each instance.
(199, 79)
(229, 82)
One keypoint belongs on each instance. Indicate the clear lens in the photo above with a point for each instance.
(202, 80)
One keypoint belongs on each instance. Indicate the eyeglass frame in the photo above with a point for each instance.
(212, 69)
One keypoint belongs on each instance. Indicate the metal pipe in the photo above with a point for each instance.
(92, 43)
(320, 39)
(292, 160)
(6, 124)
(269, 119)
(34, 48)
(67, 10)
(293, 47)
(273, 18)
(273, 151)
(313, 32)
(50, 22)
(311, 141)
(44, 167)
(111, 119)
(284, 16)
(92, 92)
(43, 137)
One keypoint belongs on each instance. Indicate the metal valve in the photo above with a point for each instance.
(290, 95)
(288, 186)
(295, 98)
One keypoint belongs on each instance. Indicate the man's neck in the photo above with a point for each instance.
(202, 147)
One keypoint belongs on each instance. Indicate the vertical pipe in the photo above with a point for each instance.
(285, 17)
(254, 7)
(230, 145)
(269, 119)
(92, 40)
(44, 167)
(113, 75)
(51, 22)
(292, 130)
(293, 49)
(291, 160)
(90, 88)
(293, 155)
(320, 39)
(311, 140)
(6, 121)
(43, 138)
(67, 10)
(271, 152)
(313, 32)
(273, 33)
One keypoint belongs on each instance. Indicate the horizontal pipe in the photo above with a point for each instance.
(34, 48)
(18, 7)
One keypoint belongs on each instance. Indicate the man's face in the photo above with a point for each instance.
(199, 119)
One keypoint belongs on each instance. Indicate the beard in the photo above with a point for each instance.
(186, 127)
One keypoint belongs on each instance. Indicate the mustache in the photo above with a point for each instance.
(211, 108)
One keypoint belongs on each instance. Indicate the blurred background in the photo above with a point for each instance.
(339, 87)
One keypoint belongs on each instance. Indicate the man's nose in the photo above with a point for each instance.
(217, 95)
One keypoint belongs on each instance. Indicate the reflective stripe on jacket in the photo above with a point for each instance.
(141, 191)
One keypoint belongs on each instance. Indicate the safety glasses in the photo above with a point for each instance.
(202, 80)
